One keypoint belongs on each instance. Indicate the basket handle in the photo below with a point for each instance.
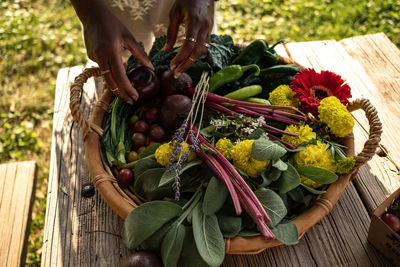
(75, 102)
(375, 131)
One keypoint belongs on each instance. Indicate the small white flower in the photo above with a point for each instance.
(265, 135)
(261, 120)
(248, 130)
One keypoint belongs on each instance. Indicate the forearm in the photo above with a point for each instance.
(87, 8)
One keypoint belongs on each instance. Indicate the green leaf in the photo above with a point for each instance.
(215, 196)
(144, 164)
(150, 150)
(279, 164)
(168, 176)
(208, 237)
(272, 204)
(146, 185)
(230, 226)
(289, 179)
(297, 149)
(146, 219)
(312, 190)
(171, 246)
(154, 241)
(318, 175)
(264, 149)
(286, 233)
(190, 255)
(248, 233)
(296, 195)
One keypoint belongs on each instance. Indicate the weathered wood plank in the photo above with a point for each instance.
(17, 189)
(78, 231)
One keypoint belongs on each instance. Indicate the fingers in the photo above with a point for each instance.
(137, 52)
(112, 72)
(192, 48)
(119, 74)
(175, 19)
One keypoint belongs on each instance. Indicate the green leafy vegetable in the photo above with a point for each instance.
(230, 226)
(171, 246)
(264, 149)
(289, 179)
(215, 196)
(208, 237)
(272, 204)
(318, 175)
(169, 177)
(286, 233)
(146, 219)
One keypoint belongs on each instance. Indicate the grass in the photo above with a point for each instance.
(39, 37)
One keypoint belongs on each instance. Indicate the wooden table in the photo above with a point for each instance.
(86, 232)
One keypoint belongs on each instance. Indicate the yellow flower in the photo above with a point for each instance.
(304, 134)
(163, 153)
(284, 96)
(345, 165)
(336, 116)
(225, 146)
(241, 155)
(314, 155)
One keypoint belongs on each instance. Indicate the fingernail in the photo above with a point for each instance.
(176, 75)
(135, 97)
(130, 101)
(172, 67)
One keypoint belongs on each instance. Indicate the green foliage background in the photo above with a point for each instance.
(39, 37)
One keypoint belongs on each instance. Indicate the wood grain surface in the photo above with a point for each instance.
(85, 232)
(17, 193)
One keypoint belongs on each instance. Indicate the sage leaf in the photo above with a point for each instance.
(154, 241)
(146, 185)
(318, 175)
(190, 255)
(168, 176)
(248, 233)
(279, 164)
(297, 149)
(146, 219)
(272, 203)
(150, 150)
(264, 149)
(313, 190)
(171, 246)
(286, 233)
(208, 237)
(144, 164)
(215, 196)
(289, 179)
(230, 226)
(296, 195)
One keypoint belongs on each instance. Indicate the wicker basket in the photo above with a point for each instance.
(123, 202)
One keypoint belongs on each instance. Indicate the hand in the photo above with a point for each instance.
(105, 38)
(197, 15)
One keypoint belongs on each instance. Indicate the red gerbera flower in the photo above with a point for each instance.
(311, 87)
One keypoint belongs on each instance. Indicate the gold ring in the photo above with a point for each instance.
(115, 89)
(104, 72)
(206, 45)
(190, 39)
(192, 59)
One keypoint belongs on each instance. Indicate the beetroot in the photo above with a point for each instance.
(145, 81)
(174, 110)
(171, 86)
